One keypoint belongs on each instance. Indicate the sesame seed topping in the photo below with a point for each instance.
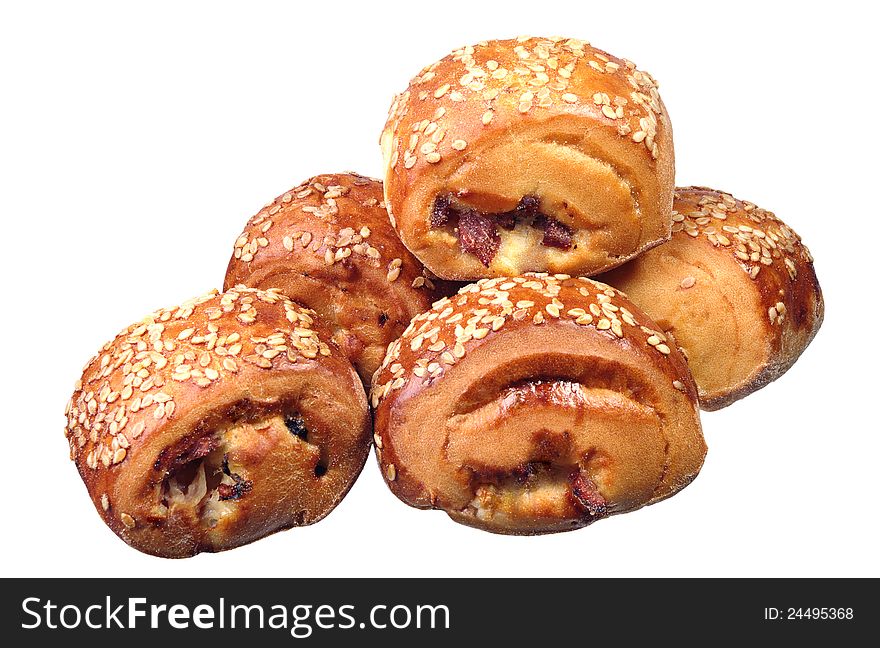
(754, 236)
(131, 386)
(539, 74)
(442, 337)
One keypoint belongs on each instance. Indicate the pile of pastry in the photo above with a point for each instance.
(524, 319)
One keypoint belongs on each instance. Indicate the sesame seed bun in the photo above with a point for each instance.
(328, 245)
(212, 424)
(735, 286)
(552, 402)
(582, 134)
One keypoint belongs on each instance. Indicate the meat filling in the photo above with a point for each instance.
(478, 236)
(478, 231)
(237, 489)
(200, 483)
(536, 489)
(205, 477)
(587, 496)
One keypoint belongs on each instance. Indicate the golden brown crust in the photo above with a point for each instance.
(535, 404)
(735, 286)
(584, 131)
(179, 425)
(328, 245)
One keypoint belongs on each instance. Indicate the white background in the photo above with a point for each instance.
(135, 142)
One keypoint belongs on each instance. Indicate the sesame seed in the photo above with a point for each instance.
(230, 365)
(391, 472)
(127, 520)
(459, 144)
(138, 429)
(688, 282)
(662, 348)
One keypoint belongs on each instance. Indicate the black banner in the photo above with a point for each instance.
(433, 612)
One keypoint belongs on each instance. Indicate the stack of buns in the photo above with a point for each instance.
(534, 400)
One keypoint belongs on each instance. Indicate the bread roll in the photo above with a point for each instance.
(534, 154)
(212, 424)
(535, 404)
(735, 287)
(328, 245)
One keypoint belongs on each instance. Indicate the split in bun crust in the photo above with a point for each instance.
(531, 154)
(212, 424)
(535, 404)
(736, 288)
(327, 244)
